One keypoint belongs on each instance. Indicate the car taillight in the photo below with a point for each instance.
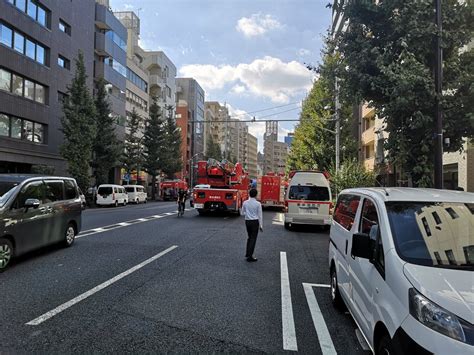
(286, 206)
(195, 195)
(235, 197)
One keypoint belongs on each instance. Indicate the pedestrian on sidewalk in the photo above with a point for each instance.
(252, 210)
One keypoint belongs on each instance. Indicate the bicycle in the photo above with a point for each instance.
(181, 209)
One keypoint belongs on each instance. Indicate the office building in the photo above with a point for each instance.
(289, 139)
(251, 158)
(274, 152)
(39, 42)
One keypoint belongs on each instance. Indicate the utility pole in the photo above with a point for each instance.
(438, 161)
(338, 125)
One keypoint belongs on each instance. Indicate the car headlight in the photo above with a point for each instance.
(437, 318)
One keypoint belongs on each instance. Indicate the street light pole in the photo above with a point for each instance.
(338, 124)
(438, 161)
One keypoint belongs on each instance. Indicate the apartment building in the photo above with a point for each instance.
(190, 92)
(183, 121)
(161, 78)
(39, 41)
(137, 98)
(217, 118)
(289, 138)
(251, 157)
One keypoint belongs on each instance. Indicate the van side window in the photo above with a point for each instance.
(54, 191)
(346, 209)
(34, 189)
(369, 224)
(70, 189)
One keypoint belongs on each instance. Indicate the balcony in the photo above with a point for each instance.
(368, 135)
(156, 80)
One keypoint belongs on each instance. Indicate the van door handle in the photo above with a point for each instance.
(376, 290)
(347, 242)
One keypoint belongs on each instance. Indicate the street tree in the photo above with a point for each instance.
(171, 156)
(78, 126)
(153, 143)
(133, 154)
(351, 174)
(388, 60)
(107, 148)
(213, 150)
(314, 141)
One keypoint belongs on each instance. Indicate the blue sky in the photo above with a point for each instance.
(249, 54)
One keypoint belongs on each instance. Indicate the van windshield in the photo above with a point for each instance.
(105, 190)
(312, 193)
(438, 234)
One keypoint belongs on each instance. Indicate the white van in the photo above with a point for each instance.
(109, 194)
(136, 193)
(402, 261)
(307, 199)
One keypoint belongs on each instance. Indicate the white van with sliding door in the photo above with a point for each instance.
(136, 193)
(402, 261)
(308, 199)
(111, 195)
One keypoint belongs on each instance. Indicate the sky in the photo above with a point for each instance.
(248, 54)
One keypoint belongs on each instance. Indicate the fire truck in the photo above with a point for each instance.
(169, 188)
(228, 186)
(271, 190)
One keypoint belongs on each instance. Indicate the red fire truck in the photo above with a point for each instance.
(271, 190)
(228, 186)
(169, 188)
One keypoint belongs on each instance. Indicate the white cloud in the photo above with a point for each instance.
(257, 25)
(267, 77)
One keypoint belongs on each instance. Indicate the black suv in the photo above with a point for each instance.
(36, 211)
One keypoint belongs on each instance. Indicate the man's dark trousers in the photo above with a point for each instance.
(252, 231)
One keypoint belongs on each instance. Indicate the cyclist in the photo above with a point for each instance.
(182, 196)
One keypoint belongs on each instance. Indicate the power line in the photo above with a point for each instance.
(277, 113)
(266, 109)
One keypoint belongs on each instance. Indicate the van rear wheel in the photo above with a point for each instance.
(6, 253)
(336, 298)
(384, 346)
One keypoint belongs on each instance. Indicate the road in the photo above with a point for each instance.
(138, 279)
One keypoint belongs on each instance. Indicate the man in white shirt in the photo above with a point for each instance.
(252, 210)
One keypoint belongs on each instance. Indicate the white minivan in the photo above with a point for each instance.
(108, 195)
(402, 261)
(136, 193)
(307, 199)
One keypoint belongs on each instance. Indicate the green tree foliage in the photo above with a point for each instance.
(213, 150)
(389, 62)
(153, 143)
(171, 151)
(313, 145)
(351, 174)
(133, 155)
(106, 149)
(78, 126)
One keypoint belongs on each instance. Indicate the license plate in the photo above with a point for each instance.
(198, 205)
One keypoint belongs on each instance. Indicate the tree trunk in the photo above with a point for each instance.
(153, 187)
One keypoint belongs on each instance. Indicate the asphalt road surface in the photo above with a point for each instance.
(139, 279)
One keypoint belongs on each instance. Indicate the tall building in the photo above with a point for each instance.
(190, 92)
(217, 120)
(289, 138)
(274, 152)
(162, 74)
(252, 152)
(38, 45)
(184, 123)
(137, 97)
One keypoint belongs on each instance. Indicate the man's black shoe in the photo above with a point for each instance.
(251, 259)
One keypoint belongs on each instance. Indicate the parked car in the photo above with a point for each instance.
(308, 199)
(111, 195)
(402, 261)
(136, 193)
(36, 211)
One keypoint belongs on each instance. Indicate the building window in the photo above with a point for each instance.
(4, 125)
(168, 91)
(468, 253)
(450, 256)
(63, 62)
(436, 217)
(18, 128)
(33, 9)
(21, 44)
(64, 27)
(452, 213)
(62, 97)
(20, 86)
(6, 36)
(5, 80)
(117, 39)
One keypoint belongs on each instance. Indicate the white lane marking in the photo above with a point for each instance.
(120, 225)
(96, 289)
(288, 321)
(325, 341)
